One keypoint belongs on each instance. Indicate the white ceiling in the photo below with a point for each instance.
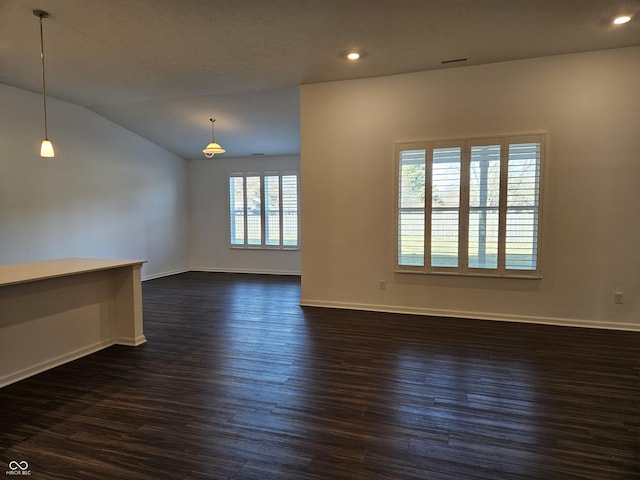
(162, 68)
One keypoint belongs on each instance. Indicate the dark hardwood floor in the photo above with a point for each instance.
(239, 382)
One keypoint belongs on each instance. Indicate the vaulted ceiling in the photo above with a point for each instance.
(162, 68)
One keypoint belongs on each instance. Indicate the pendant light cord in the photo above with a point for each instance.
(44, 84)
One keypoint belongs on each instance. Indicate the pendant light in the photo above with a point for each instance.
(213, 148)
(46, 149)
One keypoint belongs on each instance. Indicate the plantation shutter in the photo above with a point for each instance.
(445, 206)
(523, 196)
(290, 210)
(470, 207)
(484, 202)
(236, 210)
(411, 202)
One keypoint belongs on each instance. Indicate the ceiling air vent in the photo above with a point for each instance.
(454, 60)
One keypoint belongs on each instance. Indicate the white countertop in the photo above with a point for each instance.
(29, 272)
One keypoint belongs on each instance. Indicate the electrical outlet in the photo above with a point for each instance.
(382, 284)
(618, 298)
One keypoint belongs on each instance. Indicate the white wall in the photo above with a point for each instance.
(209, 232)
(108, 193)
(588, 104)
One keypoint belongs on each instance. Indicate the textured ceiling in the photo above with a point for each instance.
(162, 68)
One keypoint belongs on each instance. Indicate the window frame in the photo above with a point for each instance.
(263, 210)
(464, 208)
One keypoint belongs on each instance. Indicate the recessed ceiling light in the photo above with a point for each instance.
(353, 55)
(622, 19)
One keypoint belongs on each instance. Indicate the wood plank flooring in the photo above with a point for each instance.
(237, 381)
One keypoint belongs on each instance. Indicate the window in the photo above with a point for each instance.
(263, 210)
(470, 207)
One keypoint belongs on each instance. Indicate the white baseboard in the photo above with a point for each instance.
(68, 357)
(164, 274)
(54, 362)
(130, 343)
(565, 322)
(239, 270)
(219, 270)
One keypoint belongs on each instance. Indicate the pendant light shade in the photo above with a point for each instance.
(46, 148)
(213, 148)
